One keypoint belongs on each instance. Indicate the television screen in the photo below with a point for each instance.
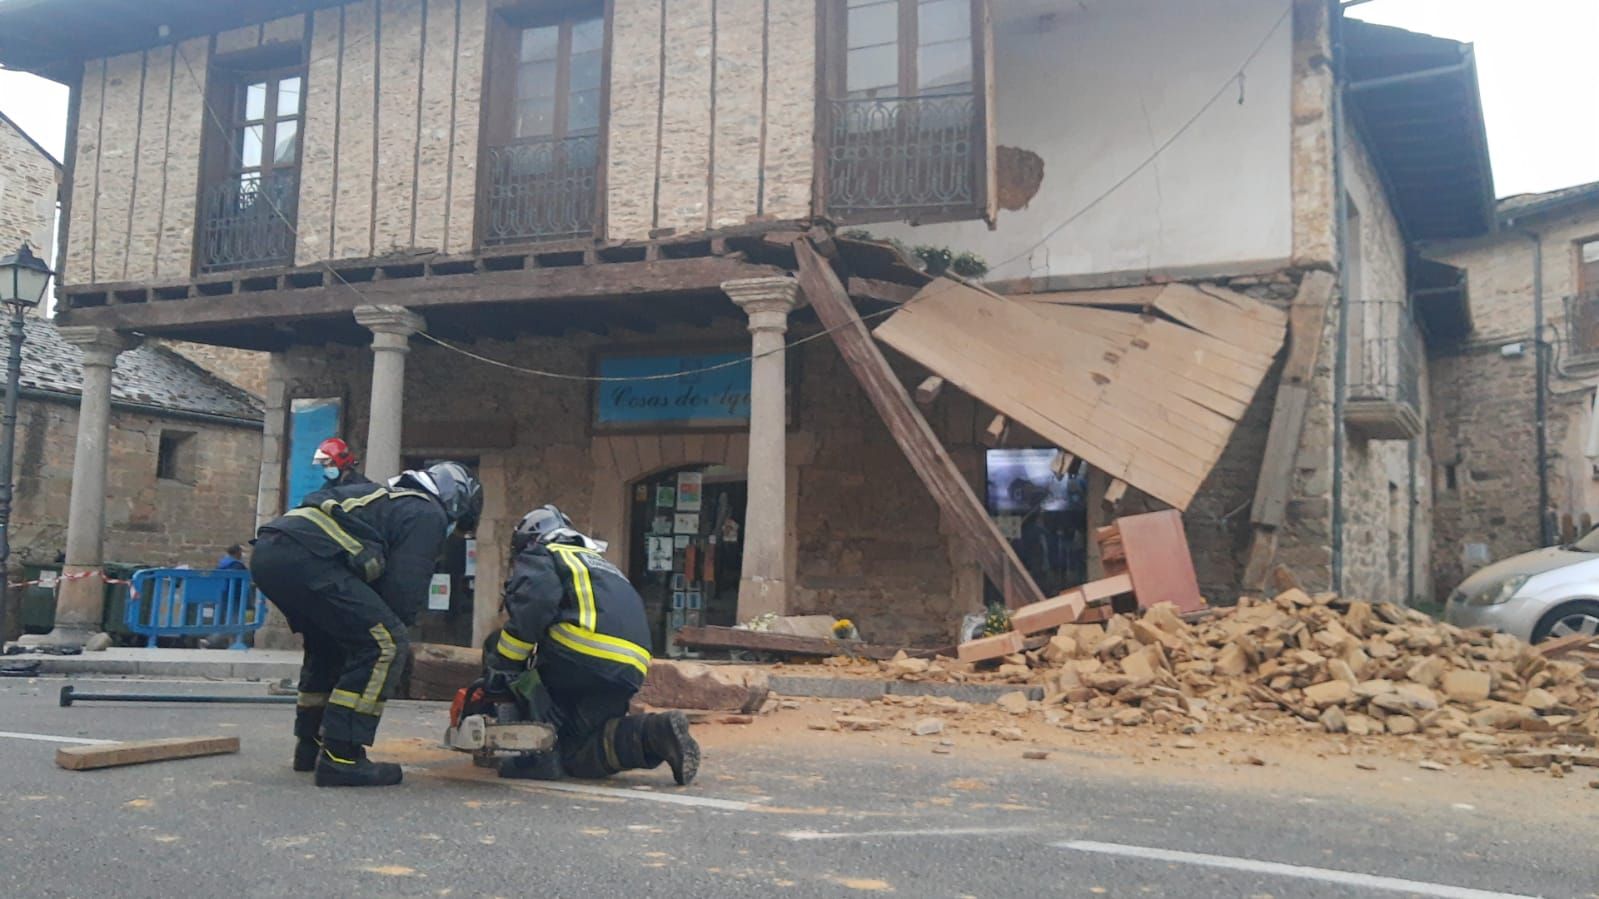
(1020, 480)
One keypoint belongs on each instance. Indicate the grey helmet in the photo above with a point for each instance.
(456, 489)
(540, 526)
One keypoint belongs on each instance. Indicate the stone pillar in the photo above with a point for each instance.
(81, 600)
(269, 494)
(391, 327)
(764, 585)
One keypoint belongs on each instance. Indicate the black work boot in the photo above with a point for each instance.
(307, 745)
(534, 766)
(346, 765)
(666, 737)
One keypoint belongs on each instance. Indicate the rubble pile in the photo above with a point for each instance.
(1295, 662)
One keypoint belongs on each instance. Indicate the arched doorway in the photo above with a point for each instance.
(685, 548)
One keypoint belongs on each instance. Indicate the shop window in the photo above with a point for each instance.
(687, 551)
(1042, 509)
(175, 457)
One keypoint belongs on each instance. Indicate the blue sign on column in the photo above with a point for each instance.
(673, 391)
(310, 423)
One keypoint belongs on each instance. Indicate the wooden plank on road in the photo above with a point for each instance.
(138, 752)
(911, 431)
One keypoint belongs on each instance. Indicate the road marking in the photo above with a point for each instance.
(806, 835)
(48, 738)
(726, 805)
(1326, 875)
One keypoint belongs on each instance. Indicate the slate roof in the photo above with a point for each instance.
(149, 376)
(1519, 205)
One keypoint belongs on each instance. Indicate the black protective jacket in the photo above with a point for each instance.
(575, 606)
(350, 478)
(390, 537)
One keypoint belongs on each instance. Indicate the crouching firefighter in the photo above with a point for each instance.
(350, 569)
(572, 653)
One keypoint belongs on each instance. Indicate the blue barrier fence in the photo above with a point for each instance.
(183, 602)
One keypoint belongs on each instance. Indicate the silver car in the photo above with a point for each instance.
(1536, 596)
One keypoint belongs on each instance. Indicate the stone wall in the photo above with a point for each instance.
(1485, 398)
(28, 182)
(245, 369)
(188, 520)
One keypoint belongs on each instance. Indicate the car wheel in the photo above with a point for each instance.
(1571, 618)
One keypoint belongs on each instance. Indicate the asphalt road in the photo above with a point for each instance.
(764, 820)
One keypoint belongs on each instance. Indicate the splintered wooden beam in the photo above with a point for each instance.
(928, 390)
(1307, 319)
(1115, 492)
(927, 456)
(137, 752)
(994, 434)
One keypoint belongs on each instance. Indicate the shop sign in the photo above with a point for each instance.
(689, 390)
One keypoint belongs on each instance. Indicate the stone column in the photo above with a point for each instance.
(391, 327)
(81, 600)
(763, 586)
(269, 495)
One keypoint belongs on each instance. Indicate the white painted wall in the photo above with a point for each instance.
(1094, 86)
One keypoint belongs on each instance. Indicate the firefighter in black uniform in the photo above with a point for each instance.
(350, 569)
(339, 466)
(576, 622)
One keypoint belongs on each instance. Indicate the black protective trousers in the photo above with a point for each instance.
(355, 646)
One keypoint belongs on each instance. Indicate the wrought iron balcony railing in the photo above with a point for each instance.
(1382, 398)
(249, 222)
(541, 190)
(908, 156)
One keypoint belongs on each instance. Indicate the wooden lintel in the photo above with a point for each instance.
(927, 392)
(994, 434)
(593, 282)
(927, 456)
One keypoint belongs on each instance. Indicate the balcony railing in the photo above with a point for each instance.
(543, 190)
(907, 156)
(249, 222)
(1382, 399)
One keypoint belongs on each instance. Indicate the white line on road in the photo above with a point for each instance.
(806, 835)
(726, 805)
(1326, 875)
(48, 738)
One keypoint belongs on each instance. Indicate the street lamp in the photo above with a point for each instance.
(23, 277)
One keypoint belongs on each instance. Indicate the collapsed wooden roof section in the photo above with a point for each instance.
(1144, 383)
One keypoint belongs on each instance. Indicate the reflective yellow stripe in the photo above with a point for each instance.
(330, 527)
(349, 700)
(610, 743)
(587, 617)
(601, 646)
(512, 648)
(312, 700)
(356, 502)
(380, 671)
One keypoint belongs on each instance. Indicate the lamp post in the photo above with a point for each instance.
(23, 277)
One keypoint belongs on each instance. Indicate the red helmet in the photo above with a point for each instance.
(334, 452)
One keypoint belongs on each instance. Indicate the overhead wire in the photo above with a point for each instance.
(1154, 155)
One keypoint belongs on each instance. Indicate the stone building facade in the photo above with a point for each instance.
(30, 179)
(376, 238)
(183, 447)
(1500, 490)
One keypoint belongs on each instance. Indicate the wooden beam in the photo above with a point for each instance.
(1115, 492)
(994, 434)
(137, 752)
(1307, 321)
(881, 291)
(610, 281)
(927, 391)
(911, 431)
(1062, 464)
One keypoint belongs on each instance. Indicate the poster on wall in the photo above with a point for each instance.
(686, 523)
(311, 421)
(689, 487)
(665, 498)
(439, 593)
(471, 558)
(659, 553)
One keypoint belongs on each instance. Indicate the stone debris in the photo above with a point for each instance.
(1036, 755)
(926, 727)
(1289, 664)
(858, 722)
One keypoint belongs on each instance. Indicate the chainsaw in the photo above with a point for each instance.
(488, 726)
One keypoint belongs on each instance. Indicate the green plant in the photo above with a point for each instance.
(934, 260)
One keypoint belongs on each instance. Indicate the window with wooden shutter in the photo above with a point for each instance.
(1585, 305)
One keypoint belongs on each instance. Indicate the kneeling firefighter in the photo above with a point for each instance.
(572, 651)
(350, 570)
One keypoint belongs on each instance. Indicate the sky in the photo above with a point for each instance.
(1534, 60)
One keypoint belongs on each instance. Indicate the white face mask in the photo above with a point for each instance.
(331, 472)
